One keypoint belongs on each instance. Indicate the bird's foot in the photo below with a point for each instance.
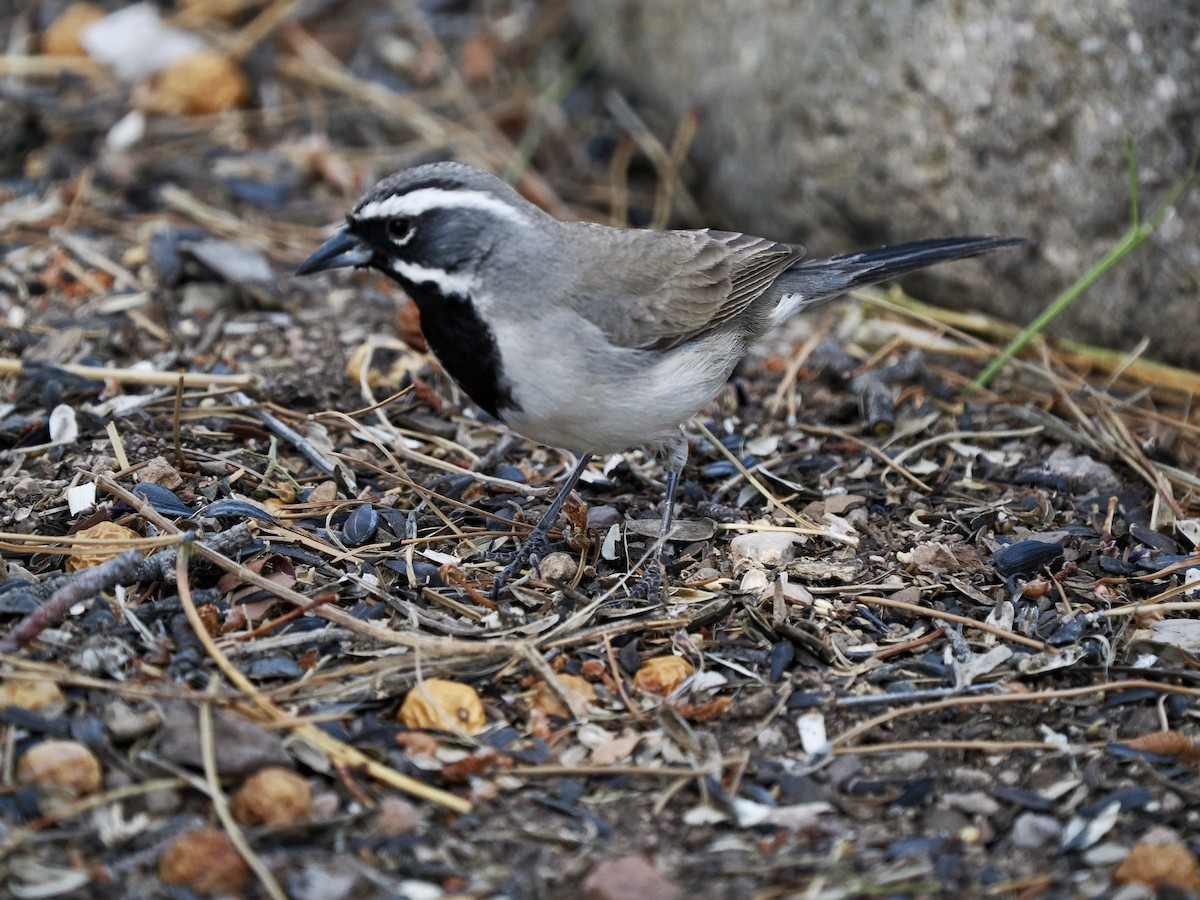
(650, 585)
(535, 548)
(535, 544)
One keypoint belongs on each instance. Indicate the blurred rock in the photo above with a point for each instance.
(395, 816)
(628, 878)
(1082, 473)
(327, 877)
(241, 746)
(770, 548)
(849, 125)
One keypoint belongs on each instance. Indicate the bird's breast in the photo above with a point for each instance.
(465, 345)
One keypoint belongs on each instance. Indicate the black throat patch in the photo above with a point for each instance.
(464, 345)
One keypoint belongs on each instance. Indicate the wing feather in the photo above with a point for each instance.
(674, 285)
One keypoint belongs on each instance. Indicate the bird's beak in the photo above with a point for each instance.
(343, 249)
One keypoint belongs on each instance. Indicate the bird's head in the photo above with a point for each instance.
(431, 226)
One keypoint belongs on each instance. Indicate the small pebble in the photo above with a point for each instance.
(628, 878)
(273, 796)
(599, 517)
(328, 877)
(163, 802)
(768, 548)
(204, 861)
(395, 816)
(159, 471)
(1082, 472)
(41, 695)
(1035, 831)
(64, 764)
(558, 567)
(325, 805)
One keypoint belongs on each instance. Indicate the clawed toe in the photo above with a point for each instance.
(535, 547)
(533, 550)
(650, 585)
(538, 544)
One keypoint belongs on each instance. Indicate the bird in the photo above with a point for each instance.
(591, 338)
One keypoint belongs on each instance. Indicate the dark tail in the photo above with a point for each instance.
(811, 282)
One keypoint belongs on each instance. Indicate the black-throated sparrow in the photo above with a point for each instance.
(586, 337)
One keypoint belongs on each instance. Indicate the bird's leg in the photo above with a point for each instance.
(650, 584)
(537, 541)
(674, 453)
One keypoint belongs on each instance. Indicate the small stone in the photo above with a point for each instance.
(204, 861)
(768, 548)
(682, 530)
(973, 802)
(396, 816)
(558, 567)
(273, 796)
(203, 299)
(837, 504)
(1083, 474)
(907, 763)
(603, 517)
(242, 746)
(159, 471)
(628, 878)
(325, 805)
(60, 764)
(1106, 854)
(325, 878)
(162, 802)
(40, 695)
(1035, 831)
(840, 571)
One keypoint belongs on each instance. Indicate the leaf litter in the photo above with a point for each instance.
(915, 631)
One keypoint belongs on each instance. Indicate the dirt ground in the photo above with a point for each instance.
(920, 639)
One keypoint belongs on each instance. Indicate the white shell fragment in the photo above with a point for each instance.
(63, 427)
(813, 736)
(81, 497)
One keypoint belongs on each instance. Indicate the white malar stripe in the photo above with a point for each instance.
(425, 199)
(446, 282)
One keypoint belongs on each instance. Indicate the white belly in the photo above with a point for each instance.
(577, 392)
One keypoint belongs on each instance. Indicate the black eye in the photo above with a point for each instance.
(401, 230)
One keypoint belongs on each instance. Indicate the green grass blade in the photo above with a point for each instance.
(1138, 231)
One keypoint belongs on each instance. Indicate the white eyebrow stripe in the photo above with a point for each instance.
(425, 199)
(448, 283)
